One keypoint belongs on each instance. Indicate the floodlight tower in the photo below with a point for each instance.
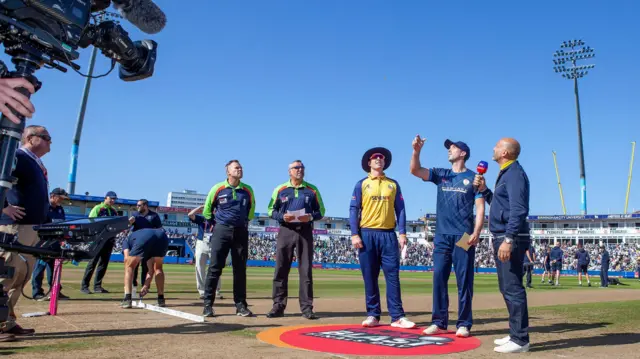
(566, 63)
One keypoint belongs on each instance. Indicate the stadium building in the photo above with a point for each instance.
(185, 199)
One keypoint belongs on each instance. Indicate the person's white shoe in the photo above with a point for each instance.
(403, 323)
(433, 329)
(502, 341)
(512, 347)
(463, 332)
(370, 322)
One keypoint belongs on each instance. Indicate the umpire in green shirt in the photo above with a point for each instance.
(104, 209)
(295, 205)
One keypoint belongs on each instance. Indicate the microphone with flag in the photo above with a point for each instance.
(481, 169)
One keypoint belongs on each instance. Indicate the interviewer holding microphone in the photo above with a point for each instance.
(510, 231)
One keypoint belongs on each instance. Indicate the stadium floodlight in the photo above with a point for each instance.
(565, 60)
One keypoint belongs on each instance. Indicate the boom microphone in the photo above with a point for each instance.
(144, 14)
(482, 167)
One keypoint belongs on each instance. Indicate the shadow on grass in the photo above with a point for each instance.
(595, 341)
(189, 328)
(556, 328)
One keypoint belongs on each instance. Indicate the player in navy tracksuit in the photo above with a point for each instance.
(457, 198)
(605, 260)
(583, 264)
(556, 262)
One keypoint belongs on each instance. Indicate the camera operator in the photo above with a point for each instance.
(104, 209)
(56, 214)
(27, 205)
(9, 96)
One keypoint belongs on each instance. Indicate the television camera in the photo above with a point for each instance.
(48, 33)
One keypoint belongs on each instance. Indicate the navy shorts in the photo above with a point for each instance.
(583, 268)
(556, 266)
(148, 243)
(547, 267)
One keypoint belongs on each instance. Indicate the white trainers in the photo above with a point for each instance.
(370, 322)
(502, 341)
(511, 347)
(463, 332)
(433, 329)
(403, 323)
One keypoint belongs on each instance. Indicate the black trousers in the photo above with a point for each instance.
(102, 261)
(224, 239)
(528, 268)
(143, 275)
(299, 239)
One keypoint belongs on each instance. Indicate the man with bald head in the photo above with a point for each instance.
(510, 231)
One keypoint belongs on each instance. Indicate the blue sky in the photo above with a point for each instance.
(270, 81)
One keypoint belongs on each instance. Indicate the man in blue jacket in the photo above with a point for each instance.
(510, 231)
(583, 264)
(604, 266)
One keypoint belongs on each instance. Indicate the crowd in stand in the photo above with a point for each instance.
(338, 249)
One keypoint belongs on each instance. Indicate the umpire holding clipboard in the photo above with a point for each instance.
(296, 233)
(510, 231)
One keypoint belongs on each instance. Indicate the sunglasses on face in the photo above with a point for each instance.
(376, 156)
(297, 168)
(43, 136)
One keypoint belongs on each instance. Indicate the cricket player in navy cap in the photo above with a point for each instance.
(455, 203)
(376, 208)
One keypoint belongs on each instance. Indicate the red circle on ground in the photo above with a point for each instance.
(382, 340)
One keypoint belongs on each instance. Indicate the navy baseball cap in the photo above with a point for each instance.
(111, 194)
(60, 192)
(461, 145)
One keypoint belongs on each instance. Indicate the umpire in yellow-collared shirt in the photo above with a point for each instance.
(376, 207)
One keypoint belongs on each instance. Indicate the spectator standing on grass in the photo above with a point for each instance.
(295, 238)
(583, 264)
(456, 200)
(509, 208)
(605, 261)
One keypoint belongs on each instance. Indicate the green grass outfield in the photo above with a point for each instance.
(327, 283)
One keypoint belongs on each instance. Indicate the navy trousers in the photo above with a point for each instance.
(604, 275)
(446, 253)
(510, 274)
(38, 274)
(381, 249)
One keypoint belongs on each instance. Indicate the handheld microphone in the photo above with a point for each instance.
(482, 167)
(143, 14)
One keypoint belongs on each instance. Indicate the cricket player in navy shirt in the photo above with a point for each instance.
(203, 250)
(455, 203)
(547, 265)
(140, 219)
(556, 261)
(529, 263)
(56, 214)
(509, 208)
(583, 264)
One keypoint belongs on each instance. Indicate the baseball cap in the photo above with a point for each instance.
(461, 145)
(60, 192)
(111, 194)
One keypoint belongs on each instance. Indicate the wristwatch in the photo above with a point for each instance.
(508, 240)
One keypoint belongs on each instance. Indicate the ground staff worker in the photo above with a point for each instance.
(296, 233)
(141, 219)
(455, 203)
(376, 207)
(509, 208)
(56, 214)
(232, 204)
(203, 249)
(104, 209)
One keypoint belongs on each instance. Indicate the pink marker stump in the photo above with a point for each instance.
(57, 271)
